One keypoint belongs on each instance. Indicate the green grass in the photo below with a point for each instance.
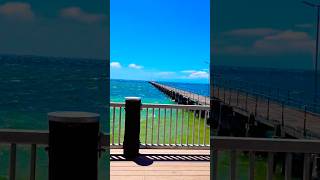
(260, 167)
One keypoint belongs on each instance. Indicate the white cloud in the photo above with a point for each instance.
(135, 66)
(274, 43)
(76, 13)
(193, 74)
(285, 42)
(199, 75)
(165, 74)
(17, 10)
(115, 65)
(188, 71)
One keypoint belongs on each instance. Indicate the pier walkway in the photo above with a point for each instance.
(298, 122)
(184, 95)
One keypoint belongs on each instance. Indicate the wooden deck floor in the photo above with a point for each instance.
(166, 164)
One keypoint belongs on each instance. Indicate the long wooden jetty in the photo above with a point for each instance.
(292, 121)
(181, 96)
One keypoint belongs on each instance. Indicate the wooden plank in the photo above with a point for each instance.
(160, 173)
(164, 151)
(157, 170)
(160, 178)
(160, 168)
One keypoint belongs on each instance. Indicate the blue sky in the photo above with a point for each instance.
(63, 28)
(267, 33)
(160, 40)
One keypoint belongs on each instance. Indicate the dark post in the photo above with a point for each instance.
(246, 104)
(215, 112)
(282, 119)
(288, 96)
(224, 94)
(131, 141)
(230, 91)
(256, 106)
(304, 121)
(268, 110)
(73, 145)
(237, 97)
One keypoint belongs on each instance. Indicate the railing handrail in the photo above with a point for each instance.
(39, 137)
(165, 125)
(265, 144)
(257, 92)
(151, 105)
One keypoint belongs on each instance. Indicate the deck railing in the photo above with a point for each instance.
(33, 139)
(235, 146)
(289, 97)
(164, 126)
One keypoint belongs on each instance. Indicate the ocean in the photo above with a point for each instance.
(31, 86)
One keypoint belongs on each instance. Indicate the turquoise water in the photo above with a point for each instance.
(119, 89)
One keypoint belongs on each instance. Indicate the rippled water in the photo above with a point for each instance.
(119, 89)
(30, 87)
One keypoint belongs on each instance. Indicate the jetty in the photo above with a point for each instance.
(289, 120)
(181, 96)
